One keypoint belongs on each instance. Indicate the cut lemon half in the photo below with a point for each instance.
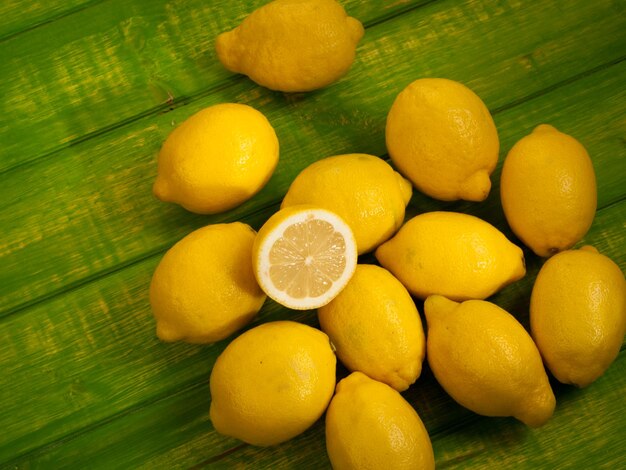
(303, 256)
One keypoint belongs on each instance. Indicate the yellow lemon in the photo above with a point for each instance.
(217, 159)
(292, 45)
(441, 136)
(370, 426)
(362, 189)
(548, 190)
(272, 383)
(452, 254)
(204, 288)
(304, 256)
(578, 314)
(484, 359)
(376, 328)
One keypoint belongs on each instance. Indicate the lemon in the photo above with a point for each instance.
(303, 256)
(217, 159)
(292, 45)
(376, 328)
(578, 314)
(370, 426)
(484, 359)
(272, 383)
(204, 288)
(441, 136)
(362, 189)
(548, 190)
(452, 254)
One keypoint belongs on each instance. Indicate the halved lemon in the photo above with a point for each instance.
(303, 256)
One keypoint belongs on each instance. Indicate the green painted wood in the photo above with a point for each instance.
(19, 16)
(115, 61)
(175, 431)
(75, 342)
(85, 383)
(99, 187)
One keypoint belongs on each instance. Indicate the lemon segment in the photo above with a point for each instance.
(304, 256)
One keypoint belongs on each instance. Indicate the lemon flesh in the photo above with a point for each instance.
(303, 256)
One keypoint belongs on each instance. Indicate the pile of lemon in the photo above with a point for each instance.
(274, 381)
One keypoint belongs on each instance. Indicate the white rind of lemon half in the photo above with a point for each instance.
(303, 256)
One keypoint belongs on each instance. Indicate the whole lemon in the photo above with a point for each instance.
(376, 328)
(362, 189)
(484, 359)
(204, 288)
(548, 190)
(292, 45)
(370, 426)
(442, 137)
(452, 254)
(272, 383)
(217, 159)
(578, 314)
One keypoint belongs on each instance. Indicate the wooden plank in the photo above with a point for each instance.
(115, 220)
(97, 357)
(19, 16)
(115, 61)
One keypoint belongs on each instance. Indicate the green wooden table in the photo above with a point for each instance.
(90, 89)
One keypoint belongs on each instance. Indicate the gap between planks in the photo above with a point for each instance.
(160, 250)
(182, 100)
(51, 19)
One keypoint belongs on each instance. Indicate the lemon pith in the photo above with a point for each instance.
(303, 256)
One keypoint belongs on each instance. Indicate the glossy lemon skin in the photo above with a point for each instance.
(363, 189)
(578, 314)
(272, 383)
(292, 45)
(203, 289)
(484, 359)
(442, 137)
(548, 190)
(217, 159)
(369, 425)
(452, 254)
(376, 328)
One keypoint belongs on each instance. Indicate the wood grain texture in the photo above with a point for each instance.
(98, 186)
(115, 62)
(88, 90)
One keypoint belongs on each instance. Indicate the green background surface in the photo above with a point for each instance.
(90, 89)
